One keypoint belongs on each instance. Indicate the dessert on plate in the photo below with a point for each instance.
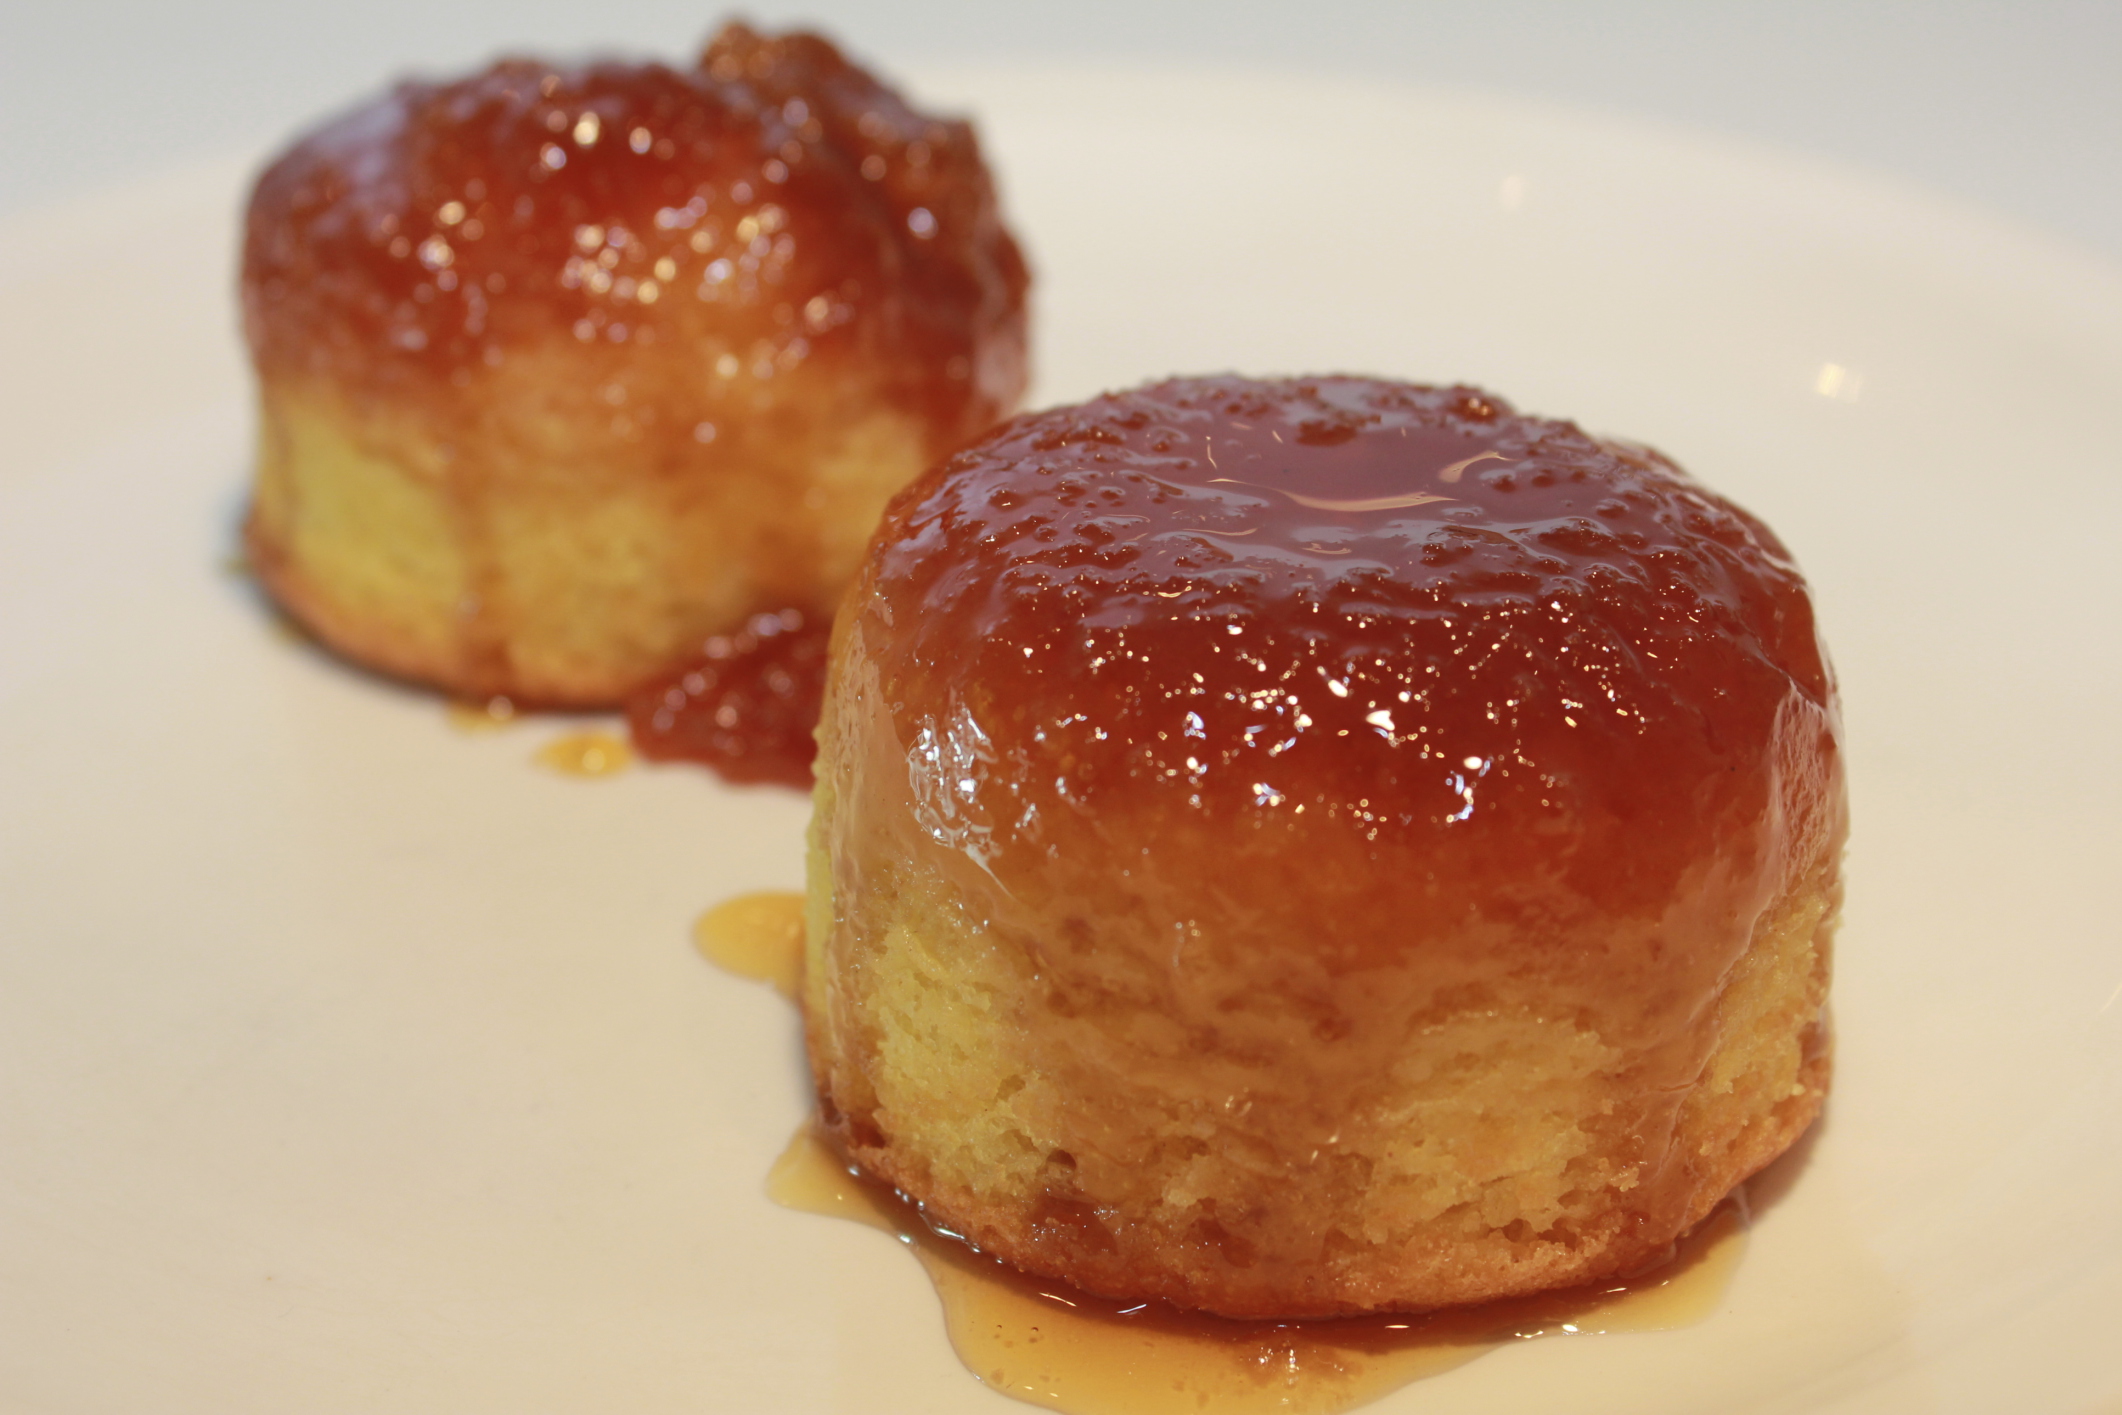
(563, 370)
(1317, 846)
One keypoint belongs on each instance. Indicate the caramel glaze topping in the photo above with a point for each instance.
(1483, 646)
(745, 705)
(775, 196)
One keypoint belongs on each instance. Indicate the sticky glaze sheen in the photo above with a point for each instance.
(775, 198)
(1409, 615)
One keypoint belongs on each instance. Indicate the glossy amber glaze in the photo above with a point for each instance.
(775, 194)
(746, 705)
(1235, 742)
(1410, 615)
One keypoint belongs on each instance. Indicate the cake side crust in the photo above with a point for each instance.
(1494, 1158)
(545, 570)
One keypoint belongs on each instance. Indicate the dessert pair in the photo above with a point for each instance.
(1288, 848)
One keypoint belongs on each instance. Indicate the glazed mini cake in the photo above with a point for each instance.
(563, 370)
(1322, 846)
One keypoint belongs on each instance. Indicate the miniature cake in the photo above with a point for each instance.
(563, 370)
(1321, 846)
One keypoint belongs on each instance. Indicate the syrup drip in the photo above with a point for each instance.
(757, 936)
(490, 716)
(586, 754)
(1050, 1345)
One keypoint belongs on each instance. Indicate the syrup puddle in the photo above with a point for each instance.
(490, 716)
(1047, 1344)
(757, 936)
(586, 754)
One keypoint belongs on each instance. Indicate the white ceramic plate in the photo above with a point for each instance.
(352, 1063)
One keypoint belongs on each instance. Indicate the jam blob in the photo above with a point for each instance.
(746, 705)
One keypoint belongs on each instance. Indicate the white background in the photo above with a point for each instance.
(348, 1064)
(2014, 106)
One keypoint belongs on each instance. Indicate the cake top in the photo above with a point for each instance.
(1406, 614)
(775, 197)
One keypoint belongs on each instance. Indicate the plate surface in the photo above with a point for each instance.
(349, 1062)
